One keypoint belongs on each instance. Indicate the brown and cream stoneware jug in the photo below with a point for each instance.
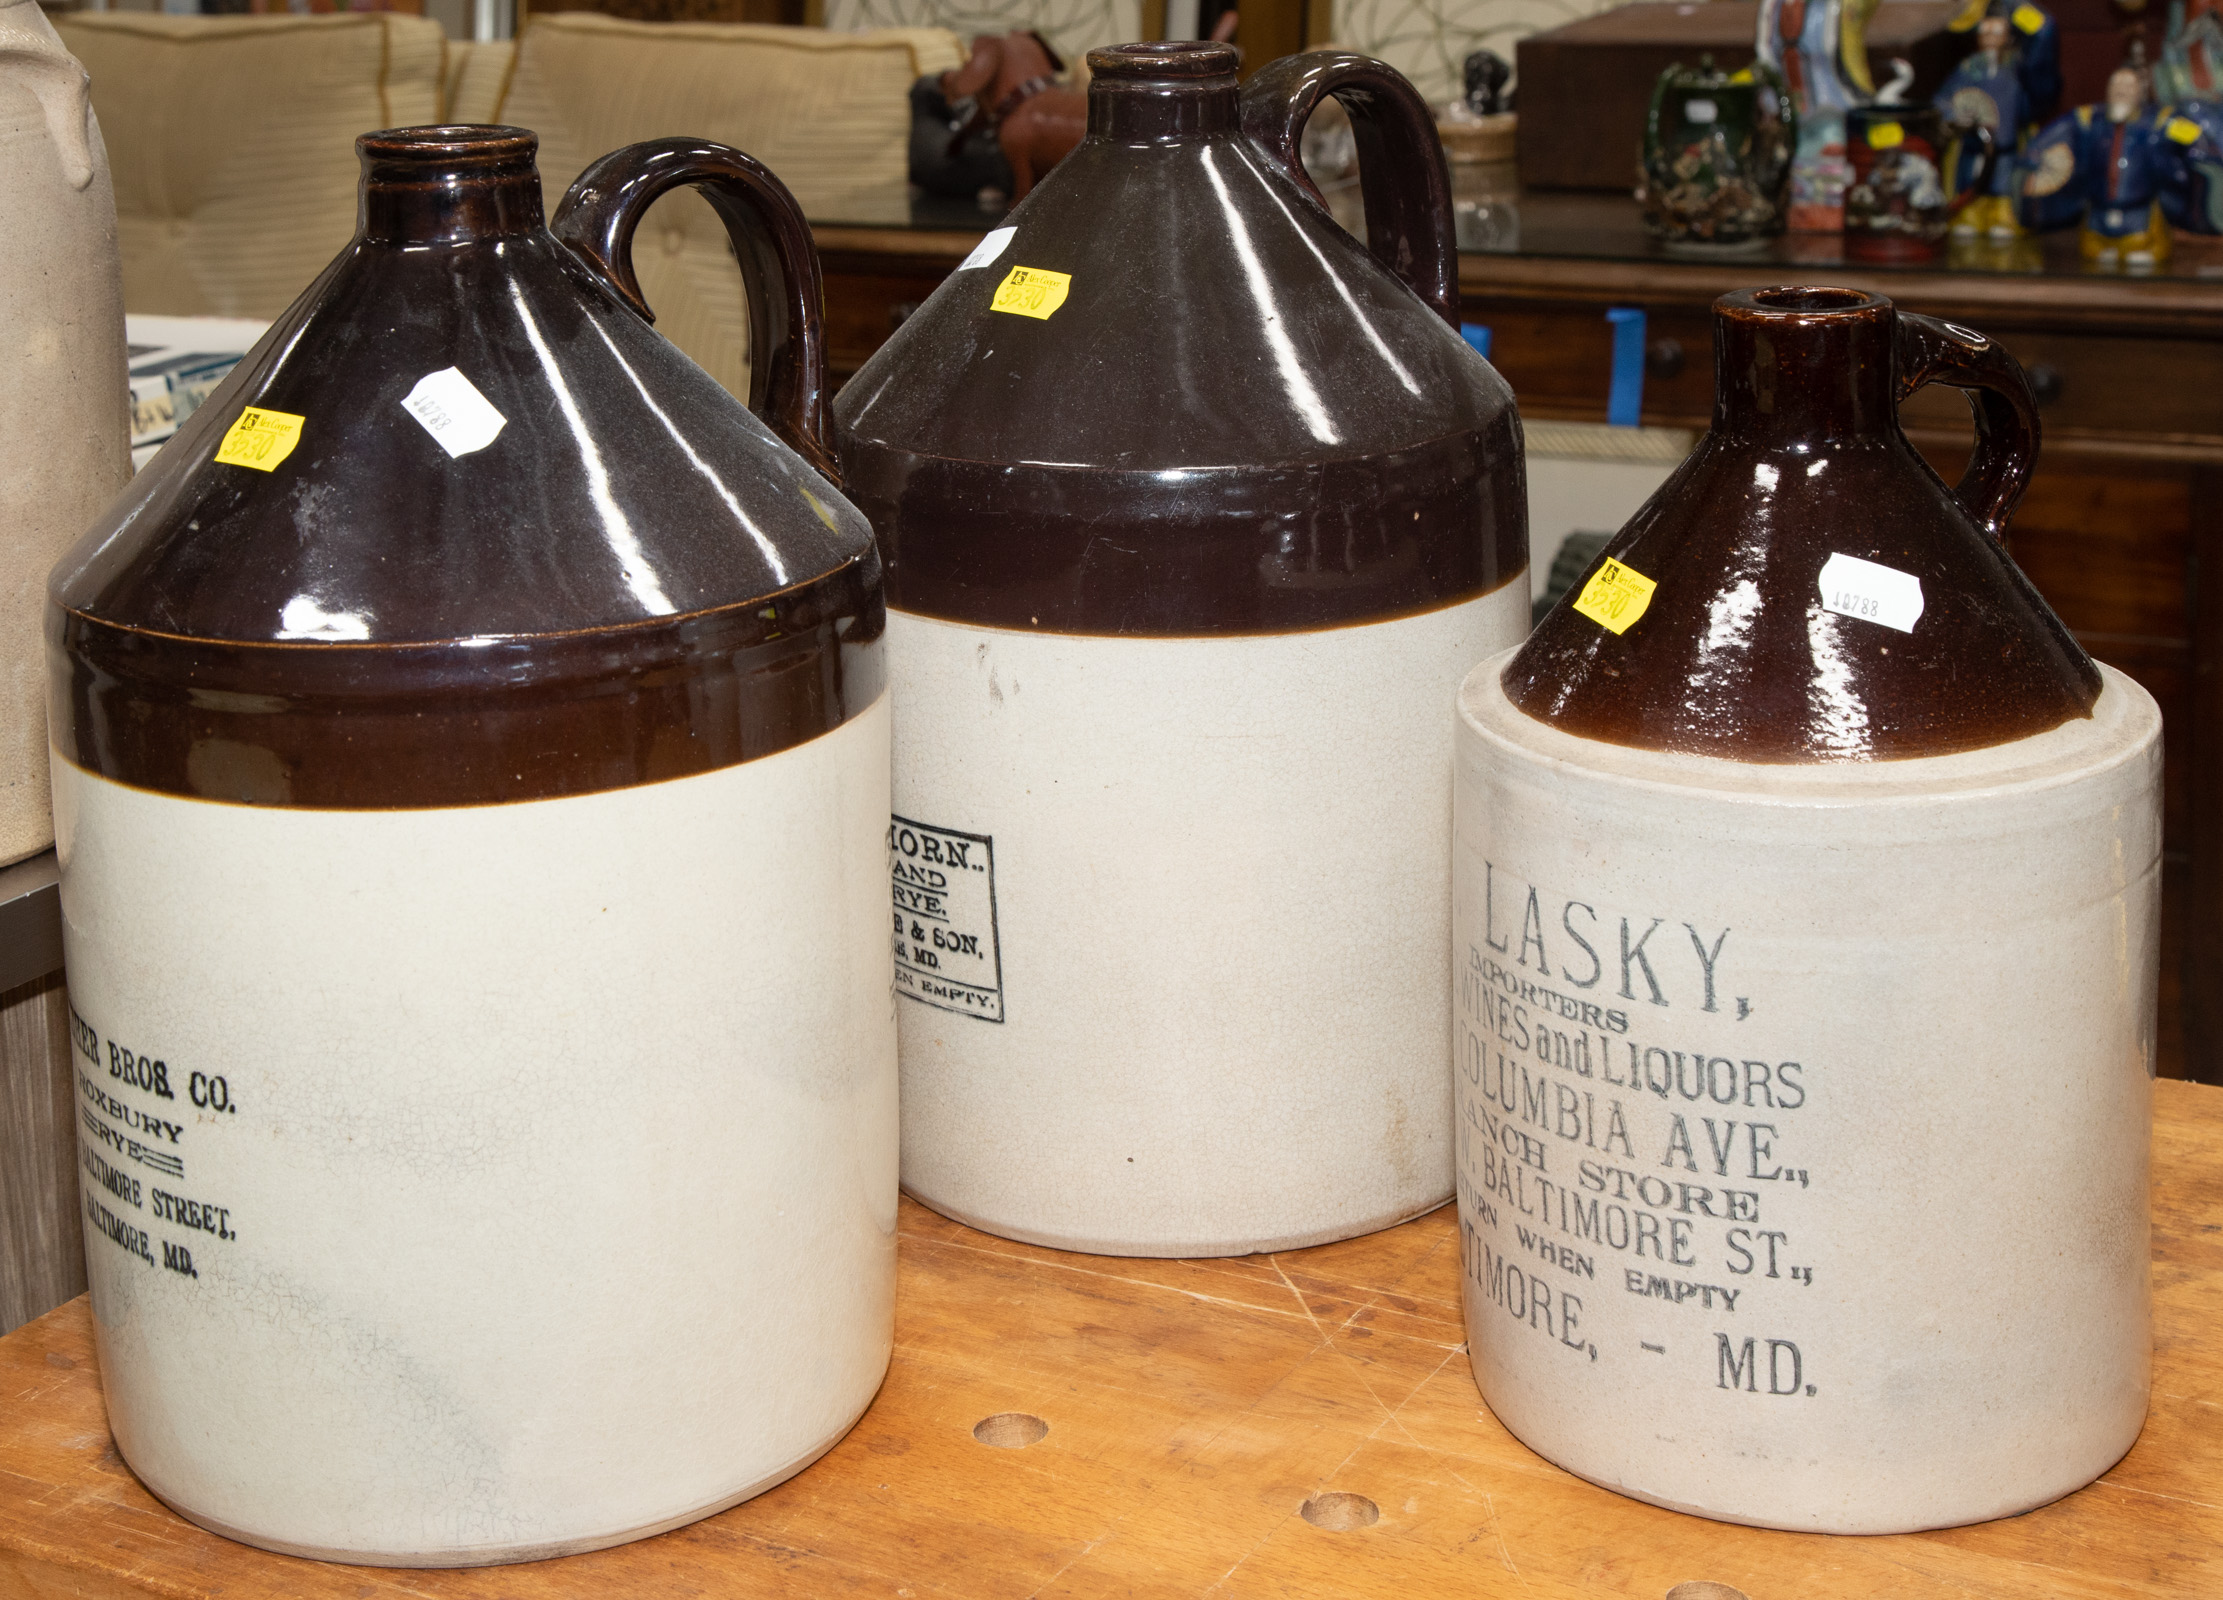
(471, 769)
(1806, 903)
(1195, 514)
(65, 429)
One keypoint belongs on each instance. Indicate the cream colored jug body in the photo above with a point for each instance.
(1803, 1114)
(64, 431)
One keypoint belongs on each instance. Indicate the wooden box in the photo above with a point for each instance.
(1585, 87)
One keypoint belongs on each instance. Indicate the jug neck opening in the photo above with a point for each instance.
(1161, 93)
(449, 184)
(1804, 364)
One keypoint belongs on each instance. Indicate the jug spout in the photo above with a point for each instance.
(1803, 368)
(448, 185)
(1161, 93)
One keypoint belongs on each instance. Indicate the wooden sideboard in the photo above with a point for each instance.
(2122, 529)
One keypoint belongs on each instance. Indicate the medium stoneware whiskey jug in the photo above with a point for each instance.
(1195, 514)
(65, 439)
(1806, 903)
(471, 772)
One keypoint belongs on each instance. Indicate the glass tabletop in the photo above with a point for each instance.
(1496, 217)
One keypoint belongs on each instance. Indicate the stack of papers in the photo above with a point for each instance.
(177, 363)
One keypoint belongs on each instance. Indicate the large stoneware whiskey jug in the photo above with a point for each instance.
(1807, 908)
(471, 765)
(1195, 514)
(65, 440)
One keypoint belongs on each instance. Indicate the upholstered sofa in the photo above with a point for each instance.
(232, 138)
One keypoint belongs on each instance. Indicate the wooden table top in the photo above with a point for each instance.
(1193, 1410)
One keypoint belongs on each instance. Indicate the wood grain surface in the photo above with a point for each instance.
(1193, 1410)
(42, 1245)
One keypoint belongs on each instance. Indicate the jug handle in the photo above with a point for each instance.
(772, 242)
(2007, 432)
(1401, 166)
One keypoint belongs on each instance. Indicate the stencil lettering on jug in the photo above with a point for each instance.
(1630, 953)
(1579, 1140)
(132, 1241)
(140, 1072)
(155, 1127)
(1526, 1297)
(1738, 1366)
(943, 884)
(153, 1141)
(192, 1214)
(120, 1184)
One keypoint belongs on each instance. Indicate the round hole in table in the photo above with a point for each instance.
(1706, 1589)
(1339, 1512)
(1010, 1430)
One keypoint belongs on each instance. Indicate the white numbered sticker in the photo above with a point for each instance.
(988, 249)
(452, 410)
(1883, 595)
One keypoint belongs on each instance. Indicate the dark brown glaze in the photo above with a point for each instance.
(634, 581)
(1735, 655)
(1239, 421)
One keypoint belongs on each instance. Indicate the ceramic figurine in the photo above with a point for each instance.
(1485, 74)
(2108, 164)
(64, 428)
(1819, 47)
(2009, 85)
(2193, 198)
(1902, 202)
(1717, 158)
(1012, 85)
(2191, 64)
(471, 777)
(1806, 889)
(1196, 510)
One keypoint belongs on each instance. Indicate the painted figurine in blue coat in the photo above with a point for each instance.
(2109, 163)
(2010, 84)
(2193, 198)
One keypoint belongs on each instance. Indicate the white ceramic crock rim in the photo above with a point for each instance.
(2124, 726)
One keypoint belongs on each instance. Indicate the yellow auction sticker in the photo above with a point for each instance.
(1615, 596)
(2029, 18)
(1886, 136)
(2182, 129)
(1031, 292)
(260, 439)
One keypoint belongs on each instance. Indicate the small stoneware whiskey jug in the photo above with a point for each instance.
(65, 437)
(1195, 514)
(471, 770)
(1806, 903)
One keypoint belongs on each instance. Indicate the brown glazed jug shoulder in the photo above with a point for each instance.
(471, 787)
(1235, 418)
(1196, 511)
(362, 619)
(1759, 642)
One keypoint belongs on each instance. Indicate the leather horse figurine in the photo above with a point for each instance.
(1013, 86)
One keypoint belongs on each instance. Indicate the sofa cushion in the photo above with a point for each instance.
(232, 140)
(477, 78)
(828, 112)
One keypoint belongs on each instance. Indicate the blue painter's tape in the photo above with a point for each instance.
(1625, 400)
(1478, 335)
